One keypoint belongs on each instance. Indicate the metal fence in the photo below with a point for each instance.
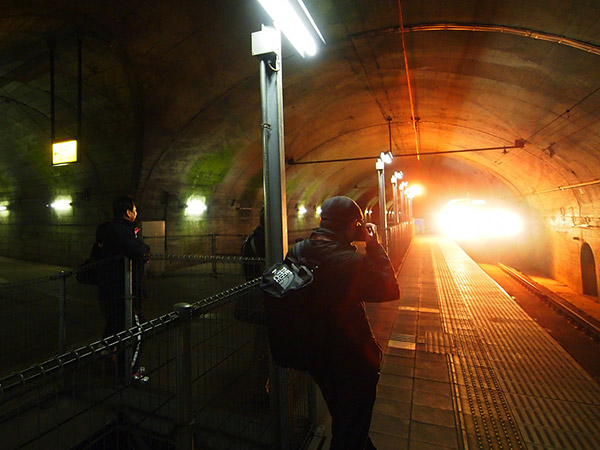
(48, 315)
(399, 237)
(214, 244)
(207, 379)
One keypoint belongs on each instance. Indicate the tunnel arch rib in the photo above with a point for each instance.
(488, 28)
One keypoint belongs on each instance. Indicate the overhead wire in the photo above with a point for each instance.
(567, 111)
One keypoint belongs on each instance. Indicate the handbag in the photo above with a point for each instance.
(289, 296)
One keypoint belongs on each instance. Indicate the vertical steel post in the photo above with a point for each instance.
(213, 252)
(62, 312)
(395, 192)
(79, 88)
(379, 165)
(402, 213)
(52, 45)
(266, 44)
(128, 299)
(185, 436)
(273, 158)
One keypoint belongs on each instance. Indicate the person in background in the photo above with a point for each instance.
(120, 239)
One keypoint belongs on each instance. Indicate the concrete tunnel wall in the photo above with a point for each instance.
(171, 109)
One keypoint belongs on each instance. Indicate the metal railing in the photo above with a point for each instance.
(206, 380)
(399, 238)
(213, 244)
(48, 315)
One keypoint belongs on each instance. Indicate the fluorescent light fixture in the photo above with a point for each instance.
(386, 157)
(301, 210)
(61, 204)
(64, 152)
(195, 206)
(397, 177)
(414, 190)
(288, 21)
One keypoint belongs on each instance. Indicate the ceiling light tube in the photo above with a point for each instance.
(291, 25)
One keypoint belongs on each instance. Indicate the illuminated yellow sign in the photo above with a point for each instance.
(64, 152)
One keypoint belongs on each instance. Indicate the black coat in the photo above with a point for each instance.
(344, 281)
(120, 240)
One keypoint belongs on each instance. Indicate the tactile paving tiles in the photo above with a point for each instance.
(516, 386)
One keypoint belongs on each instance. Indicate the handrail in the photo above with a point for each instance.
(20, 380)
(100, 263)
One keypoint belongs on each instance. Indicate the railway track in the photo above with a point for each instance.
(579, 318)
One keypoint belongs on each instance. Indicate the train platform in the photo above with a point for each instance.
(466, 368)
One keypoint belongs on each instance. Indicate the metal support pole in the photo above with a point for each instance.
(128, 299)
(185, 416)
(402, 213)
(51, 45)
(395, 192)
(213, 252)
(62, 312)
(379, 165)
(266, 44)
(273, 158)
(79, 87)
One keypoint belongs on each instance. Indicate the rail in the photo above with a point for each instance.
(575, 315)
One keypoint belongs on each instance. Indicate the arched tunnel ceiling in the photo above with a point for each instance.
(171, 99)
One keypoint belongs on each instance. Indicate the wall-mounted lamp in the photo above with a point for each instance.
(61, 204)
(195, 206)
(318, 211)
(301, 210)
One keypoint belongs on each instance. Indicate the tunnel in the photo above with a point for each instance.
(165, 104)
(477, 101)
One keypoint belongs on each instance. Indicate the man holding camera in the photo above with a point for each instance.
(347, 359)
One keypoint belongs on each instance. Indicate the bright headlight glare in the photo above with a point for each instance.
(472, 221)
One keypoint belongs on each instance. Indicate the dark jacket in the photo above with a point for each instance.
(344, 280)
(120, 240)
